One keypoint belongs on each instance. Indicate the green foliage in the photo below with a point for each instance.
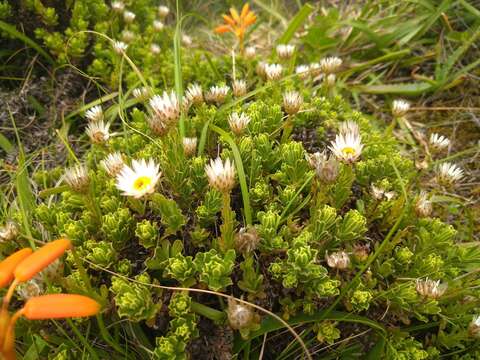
(172, 217)
(214, 270)
(147, 233)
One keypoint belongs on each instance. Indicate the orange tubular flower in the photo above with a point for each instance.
(237, 23)
(7, 266)
(40, 259)
(56, 306)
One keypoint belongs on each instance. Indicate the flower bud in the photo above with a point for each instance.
(246, 240)
(58, 306)
(7, 266)
(240, 316)
(338, 260)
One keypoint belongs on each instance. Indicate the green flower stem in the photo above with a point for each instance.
(137, 205)
(228, 216)
(93, 206)
(208, 312)
(287, 129)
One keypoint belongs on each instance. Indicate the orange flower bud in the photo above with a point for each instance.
(250, 19)
(56, 306)
(245, 10)
(7, 266)
(222, 29)
(234, 14)
(228, 20)
(40, 259)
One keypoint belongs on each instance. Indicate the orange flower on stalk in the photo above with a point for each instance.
(237, 23)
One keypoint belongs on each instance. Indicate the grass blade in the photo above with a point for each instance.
(295, 23)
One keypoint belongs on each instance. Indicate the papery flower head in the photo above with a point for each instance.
(141, 94)
(237, 23)
(194, 94)
(113, 164)
(474, 327)
(247, 240)
(187, 40)
(239, 87)
(303, 71)
(430, 288)
(423, 205)
(449, 174)
(77, 178)
(240, 316)
(128, 36)
(29, 289)
(221, 175)
(326, 166)
(118, 6)
(59, 306)
(292, 102)
(285, 51)
(98, 131)
(438, 142)
(348, 126)
(158, 25)
(347, 147)
(217, 94)
(273, 71)
(9, 231)
(166, 111)
(95, 113)
(330, 65)
(138, 180)
(379, 193)
(338, 260)
(400, 107)
(260, 69)
(128, 16)
(250, 52)
(163, 11)
(155, 49)
(189, 145)
(119, 47)
(238, 122)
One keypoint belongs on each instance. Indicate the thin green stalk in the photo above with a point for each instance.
(208, 312)
(82, 339)
(227, 227)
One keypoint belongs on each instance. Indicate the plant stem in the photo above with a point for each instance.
(287, 129)
(208, 312)
(227, 238)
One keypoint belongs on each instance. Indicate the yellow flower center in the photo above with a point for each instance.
(141, 183)
(348, 150)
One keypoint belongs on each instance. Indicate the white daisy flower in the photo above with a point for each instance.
(314, 69)
(400, 107)
(250, 52)
(158, 25)
(119, 47)
(347, 147)
(155, 49)
(113, 164)
(98, 131)
(189, 145)
(166, 111)
(449, 174)
(423, 205)
(292, 102)
(163, 11)
(238, 122)
(239, 88)
(439, 142)
(217, 94)
(273, 71)
(348, 126)
(77, 178)
(138, 180)
(338, 260)
(141, 94)
(285, 51)
(194, 94)
(221, 175)
(430, 288)
(330, 65)
(94, 114)
(128, 16)
(303, 71)
(118, 6)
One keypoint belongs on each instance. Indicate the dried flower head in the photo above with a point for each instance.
(330, 65)
(400, 107)
(9, 231)
(113, 164)
(239, 88)
(448, 174)
(347, 147)
(119, 47)
(240, 316)
(163, 11)
(138, 180)
(128, 36)
(237, 23)
(246, 240)
(338, 260)
(430, 288)
(128, 16)
(31, 288)
(94, 114)
(438, 142)
(303, 71)
(379, 193)
(217, 94)
(314, 69)
(260, 69)
(361, 252)
(326, 166)
(141, 94)
(285, 51)
(158, 25)
(189, 145)
(292, 102)
(423, 205)
(250, 52)
(221, 175)
(77, 178)
(187, 40)
(166, 111)
(194, 94)
(98, 131)
(474, 327)
(118, 6)
(238, 122)
(273, 71)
